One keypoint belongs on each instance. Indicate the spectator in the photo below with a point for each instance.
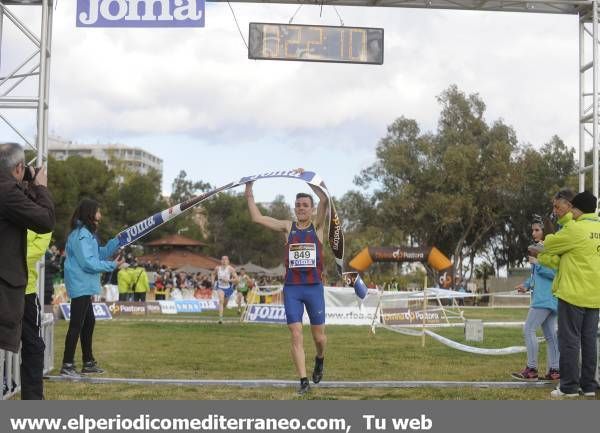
(160, 291)
(181, 280)
(19, 211)
(205, 291)
(575, 248)
(460, 288)
(86, 260)
(32, 343)
(124, 277)
(51, 272)
(561, 207)
(542, 313)
(61, 263)
(169, 286)
(110, 283)
(139, 285)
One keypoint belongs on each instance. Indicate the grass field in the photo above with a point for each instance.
(142, 349)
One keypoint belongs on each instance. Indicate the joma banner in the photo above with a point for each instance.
(140, 13)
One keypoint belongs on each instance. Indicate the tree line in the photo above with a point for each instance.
(469, 188)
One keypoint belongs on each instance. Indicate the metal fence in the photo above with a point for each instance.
(10, 362)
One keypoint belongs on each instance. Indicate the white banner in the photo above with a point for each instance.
(345, 297)
(342, 307)
(168, 307)
(346, 315)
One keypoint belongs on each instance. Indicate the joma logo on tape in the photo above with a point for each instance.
(140, 13)
(132, 233)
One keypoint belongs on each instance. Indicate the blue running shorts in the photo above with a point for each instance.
(227, 291)
(297, 296)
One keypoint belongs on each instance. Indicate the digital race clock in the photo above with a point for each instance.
(315, 43)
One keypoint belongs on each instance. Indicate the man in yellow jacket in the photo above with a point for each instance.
(139, 282)
(32, 343)
(577, 287)
(124, 283)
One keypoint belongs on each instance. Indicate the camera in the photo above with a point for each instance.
(28, 177)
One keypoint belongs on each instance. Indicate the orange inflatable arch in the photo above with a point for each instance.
(430, 255)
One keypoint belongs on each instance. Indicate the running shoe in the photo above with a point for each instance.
(68, 370)
(588, 393)
(91, 367)
(304, 387)
(553, 374)
(558, 394)
(317, 374)
(527, 374)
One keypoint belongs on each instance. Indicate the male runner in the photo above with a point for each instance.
(244, 285)
(303, 284)
(224, 277)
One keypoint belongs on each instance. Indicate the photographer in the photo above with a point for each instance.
(19, 211)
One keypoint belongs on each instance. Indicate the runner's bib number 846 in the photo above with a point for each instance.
(303, 255)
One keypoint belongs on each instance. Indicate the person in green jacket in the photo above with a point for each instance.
(124, 282)
(561, 207)
(577, 287)
(32, 343)
(139, 282)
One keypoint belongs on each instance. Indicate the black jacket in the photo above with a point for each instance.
(19, 211)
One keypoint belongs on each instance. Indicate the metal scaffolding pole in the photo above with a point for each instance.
(44, 84)
(595, 100)
(588, 98)
(34, 65)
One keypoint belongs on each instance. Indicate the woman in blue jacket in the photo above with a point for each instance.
(85, 261)
(542, 313)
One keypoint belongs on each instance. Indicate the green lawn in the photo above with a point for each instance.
(141, 349)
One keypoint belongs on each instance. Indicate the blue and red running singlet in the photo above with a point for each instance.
(304, 259)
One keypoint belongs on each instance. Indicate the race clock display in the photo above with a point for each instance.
(310, 43)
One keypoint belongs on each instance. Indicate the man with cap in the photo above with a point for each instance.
(577, 288)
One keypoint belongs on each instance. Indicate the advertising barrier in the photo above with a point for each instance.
(101, 311)
(275, 313)
(153, 308)
(347, 315)
(167, 307)
(127, 309)
(265, 313)
(188, 306)
(407, 316)
(208, 304)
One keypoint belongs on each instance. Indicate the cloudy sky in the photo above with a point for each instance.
(192, 97)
